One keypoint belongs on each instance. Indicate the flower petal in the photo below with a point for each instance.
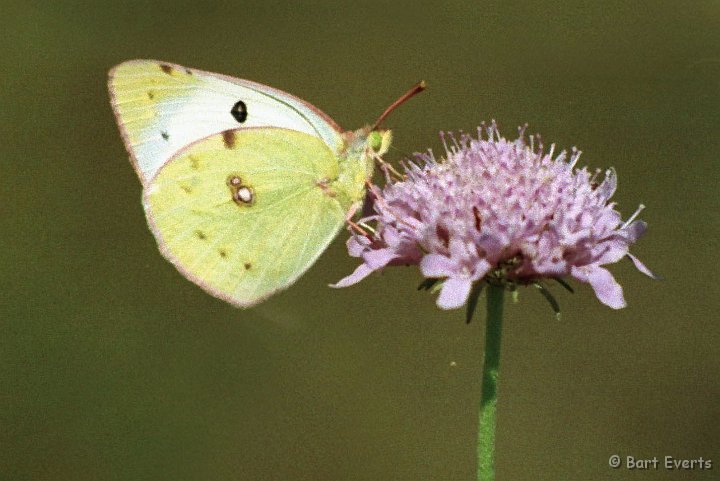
(642, 268)
(606, 288)
(377, 259)
(634, 230)
(356, 245)
(454, 293)
(482, 267)
(607, 188)
(458, 247)
(359, 274)
(436, 265)
(612, 251)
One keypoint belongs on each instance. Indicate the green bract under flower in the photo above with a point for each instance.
(498, 211)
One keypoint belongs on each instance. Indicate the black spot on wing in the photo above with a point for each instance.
(165, 135)
(151, 95)
(229, 138)
(200, 235)
(239, 111)
(248, 266)
(166, 68)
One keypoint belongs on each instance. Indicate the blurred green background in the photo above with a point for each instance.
(114, 367)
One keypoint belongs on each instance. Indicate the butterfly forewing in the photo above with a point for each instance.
(164, 107)
(243, 213)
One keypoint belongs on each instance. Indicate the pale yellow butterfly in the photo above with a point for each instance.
(244, 186)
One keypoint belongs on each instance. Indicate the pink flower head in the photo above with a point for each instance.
(498, 211)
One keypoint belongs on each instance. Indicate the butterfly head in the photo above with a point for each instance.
(372, 141)
(378, 140)
(361, 149)
(366, 144)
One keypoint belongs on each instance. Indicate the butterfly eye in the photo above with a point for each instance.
(374, 140)
(379, 141)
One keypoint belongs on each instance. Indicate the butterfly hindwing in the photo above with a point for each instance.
(242, 213)
(163, 107)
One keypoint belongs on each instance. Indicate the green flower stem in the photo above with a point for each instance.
(488, 401)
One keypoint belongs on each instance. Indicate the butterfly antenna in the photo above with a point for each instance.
(416, 89)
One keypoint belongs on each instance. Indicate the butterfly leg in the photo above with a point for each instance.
(353, 225)
(377, 198)
(388, 170)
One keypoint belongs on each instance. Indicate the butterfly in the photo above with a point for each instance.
(244, 186)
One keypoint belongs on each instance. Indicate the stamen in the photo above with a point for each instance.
(575, 157)
(640, 208)
(431, 155)
(456, 145)
(493, 131)
(444, 142)
(521, 129)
